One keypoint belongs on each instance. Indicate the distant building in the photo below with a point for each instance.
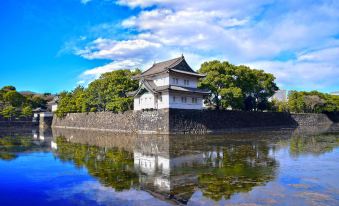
(335, 93)
(169, 84)
(280, 95)
(53, 105)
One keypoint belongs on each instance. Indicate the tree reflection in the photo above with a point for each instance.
(313, 144)
(10, 145)
(112, 167)
(238, 168)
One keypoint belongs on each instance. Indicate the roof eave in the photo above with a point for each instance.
(188, 73)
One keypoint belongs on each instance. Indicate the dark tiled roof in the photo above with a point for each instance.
(177, 64)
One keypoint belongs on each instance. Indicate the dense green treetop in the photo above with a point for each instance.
(108, 93)
(15, 104)
(238, 87)
(308, 102)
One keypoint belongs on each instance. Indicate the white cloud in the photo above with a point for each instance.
(101, 195)
(89, 75)
(111, 49)
(236, 30)
(316, 70)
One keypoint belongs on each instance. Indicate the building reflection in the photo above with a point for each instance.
(174, 167)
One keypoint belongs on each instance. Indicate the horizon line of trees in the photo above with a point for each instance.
(308, 102)
(13, 104)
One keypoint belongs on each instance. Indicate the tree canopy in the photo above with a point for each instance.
(108, 93)
(308, 102)
(237, 87)
(19, 104)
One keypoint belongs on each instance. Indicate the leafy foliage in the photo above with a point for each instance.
(108, 93)
(111, 166)
(14, 104)
(309, 102)
(27, 111)
(240, 168)
(238, 87)
(9, 112)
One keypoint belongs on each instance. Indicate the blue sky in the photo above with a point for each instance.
(53, 45)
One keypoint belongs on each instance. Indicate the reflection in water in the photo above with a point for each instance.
(12, 143)
(172, 166)
(112, 166)
(177, 168)
(313, 144)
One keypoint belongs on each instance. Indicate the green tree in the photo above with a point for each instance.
(26, 111)
(110, 88)
(239, 87)
(14, 98)
(8, 88)
(37, 101)
(108, 93)
(232, 97)
(219, 75)
(9, 112)
(312, 102)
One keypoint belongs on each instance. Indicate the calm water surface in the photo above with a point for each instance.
(72, 167)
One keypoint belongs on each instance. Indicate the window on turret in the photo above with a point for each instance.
(183, 99)
(175, 81)
(186, 82)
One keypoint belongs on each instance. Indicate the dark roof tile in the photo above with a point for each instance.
(178, 64)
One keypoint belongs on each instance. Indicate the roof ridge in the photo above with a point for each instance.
(169, 60)
(161, 63)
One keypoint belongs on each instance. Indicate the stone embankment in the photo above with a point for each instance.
(172, 121)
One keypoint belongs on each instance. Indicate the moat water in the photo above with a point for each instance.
(75, 167)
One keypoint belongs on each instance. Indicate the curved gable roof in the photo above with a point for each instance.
(179, 64)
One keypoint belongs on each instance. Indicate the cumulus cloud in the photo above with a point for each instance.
(89, 75)
(241, 31)
(111, 49)
(315, 70)
(92, 191)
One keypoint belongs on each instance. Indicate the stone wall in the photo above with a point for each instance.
(171, 121)
(309, 119)
(127, 122)
(17, 122)
(195, 121)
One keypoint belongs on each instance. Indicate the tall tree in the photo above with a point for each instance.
(238, 87)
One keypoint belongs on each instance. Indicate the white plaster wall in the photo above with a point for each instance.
(136, 104)
(54, 107)
(193, 81)
(188, 105)
(161, 80)
(165, 101)
(146, 102)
